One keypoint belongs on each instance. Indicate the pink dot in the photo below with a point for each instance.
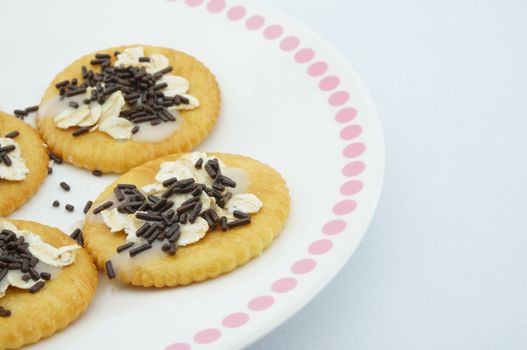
(215, 6)
(346, 115)
(317, 68)
(329, 83)
(178, 346)
(273, 31)
(334, 227)
(344, 207)
(350, 132)
(261, 303)
(289, 43)
(353, 168)
(254, 22)
(338, 98)
(354, 150)
(284, 285)
(236, 13)
(235, 320)
(194, 3)
(207, 336)
(303, 266)
(320, 247)
(351, 187)
(304, 55)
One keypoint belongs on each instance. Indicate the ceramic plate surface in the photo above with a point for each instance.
(289, 100)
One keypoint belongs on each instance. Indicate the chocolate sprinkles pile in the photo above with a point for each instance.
(163, 220)
(145, 102)
(15, 255)
(5, 150)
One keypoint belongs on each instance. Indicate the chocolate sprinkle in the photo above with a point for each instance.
(78, 236)
(69, 207)
(140, 249)
(97, 173)
(55, 158)
(56, 203)
(65, 186)
(109, 269)
(4, 151)
(4, 312)
(12, 134)
(36, 287)
(102, 207)
(87, 207)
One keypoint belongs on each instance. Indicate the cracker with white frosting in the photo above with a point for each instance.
(23, 163)
(42, 305)
(172, 222)
(140, 101)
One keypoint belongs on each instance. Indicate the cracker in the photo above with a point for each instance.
(60, 302)
(14, 194)
(97, 150)
(218, 252)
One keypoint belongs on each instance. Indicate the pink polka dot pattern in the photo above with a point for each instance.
(261, 303)
(194, 3)
(338, 98)
(289, 43)
(273, 31)
(284, 285)
(353, 168)
(254, 22)
(351, 187)
(346, 115)
(317, 68)
(354, 150)
(235, 320)
(329, 83)
(344, 207)
(207, 336)
(303, 266)
(178, 346)
(320, 247)
(350, 132)
(304, 55)
(334, 227)
(236, 13)
(215, 6)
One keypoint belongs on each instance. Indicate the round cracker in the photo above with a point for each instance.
(60, 302)
(98, 150)
(218, 252)
(15, 193)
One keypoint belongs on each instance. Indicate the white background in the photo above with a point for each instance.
(443, 264)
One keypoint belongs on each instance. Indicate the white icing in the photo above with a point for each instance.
(18, 170)
(246, 202)
(184, 168)
(106, 118)
(51, 259)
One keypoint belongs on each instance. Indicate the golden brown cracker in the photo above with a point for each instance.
(60, 302)
(218, 252)
(97, 150)
(14, 194)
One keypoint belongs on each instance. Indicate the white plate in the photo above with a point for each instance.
(288, 100)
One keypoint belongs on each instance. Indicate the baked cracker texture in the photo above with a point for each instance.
(60, 302)
(13, 194)
(99, 151)
(218, 252)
